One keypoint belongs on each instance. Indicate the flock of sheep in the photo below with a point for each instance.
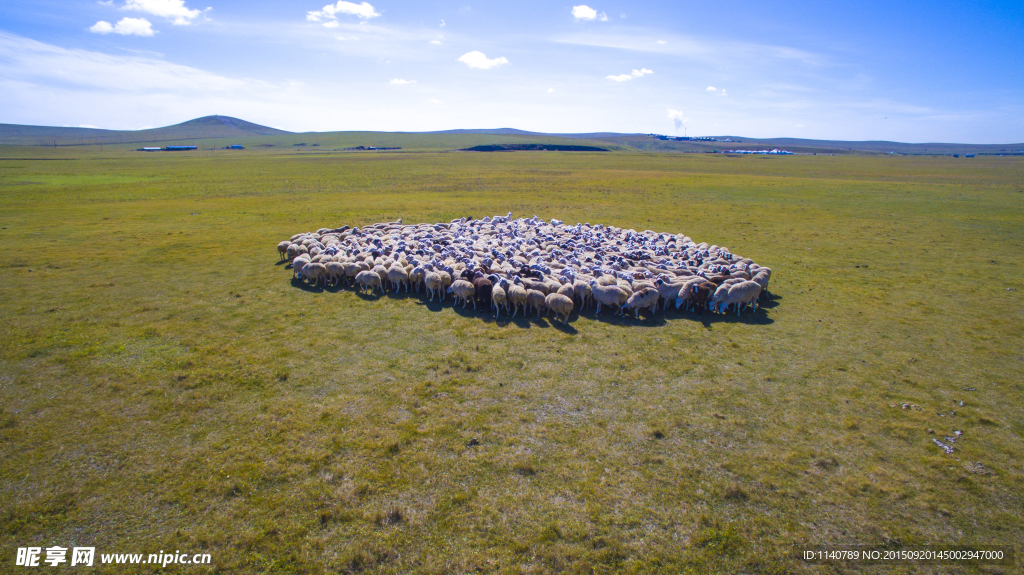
(531, 265)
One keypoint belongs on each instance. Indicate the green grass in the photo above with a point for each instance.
(164, 385)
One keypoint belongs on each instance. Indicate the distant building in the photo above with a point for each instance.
(149, 149)
(236, 147)
(180, 148)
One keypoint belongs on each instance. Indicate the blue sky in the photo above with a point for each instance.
(907, 71)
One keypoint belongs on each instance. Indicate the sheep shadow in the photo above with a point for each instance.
(565, 328)
(434, 306)
(302, 285)
(402, 294)
(372, 296)
(468, 311)
(771, 300)
(519, 321)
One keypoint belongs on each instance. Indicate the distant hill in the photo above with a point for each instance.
(219, 131)
(207, 127)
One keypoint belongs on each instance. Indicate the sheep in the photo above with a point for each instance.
(517, 297)
(297, 265)
(369, 280)
(719, 294)
(526, 254)
(762, 277)
(315, 272)
(608, 295)
(499, 299)
(335, 272)
(483, 288)
(397, 277)
(537, 285)
(581, 292)
(645, 298)
(434, 284)
(560, 304)
(352, 269)
(685, 296)
(381, 271)
(464, 290)
(739, 295)
(535, 299)
(667, 291)
(416, 277)
(696, 296)
(446, 279)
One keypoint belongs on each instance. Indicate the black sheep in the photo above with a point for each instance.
(483, 289)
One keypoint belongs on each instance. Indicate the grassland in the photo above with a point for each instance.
(165, 386)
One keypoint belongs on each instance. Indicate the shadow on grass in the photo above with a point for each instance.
(302, 285)
(770, 301)
(645, 319)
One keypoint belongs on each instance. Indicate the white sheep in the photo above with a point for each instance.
(499, 299)
(739, 295)
(517, 297)
(434, 284)
(534, 299)
(560, 304)
(610, 295)
(645, 298)
(397, 277)
(464, 290)
(368, 280)
(314, 272)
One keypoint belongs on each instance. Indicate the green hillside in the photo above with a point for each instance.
(211, 132)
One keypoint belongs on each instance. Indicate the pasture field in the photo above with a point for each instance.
(164, 386)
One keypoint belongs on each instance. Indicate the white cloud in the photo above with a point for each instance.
(662, 42)
(551, 90)
(330, 12)
(105, 2)
(435, 101)
(677, 118)
(712, 89)
(442, 23)
(401, 82)
(171, 9)
(603, 17)
(583, 12)
(477, 59)
(125, 27)
(101, 27)
(635, 74)
(89, 126)
(711, 51)
(438, 42)
(28, 61)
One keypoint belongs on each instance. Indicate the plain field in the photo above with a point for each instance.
(164, 385)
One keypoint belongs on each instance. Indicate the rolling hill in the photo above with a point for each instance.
(218, 131)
